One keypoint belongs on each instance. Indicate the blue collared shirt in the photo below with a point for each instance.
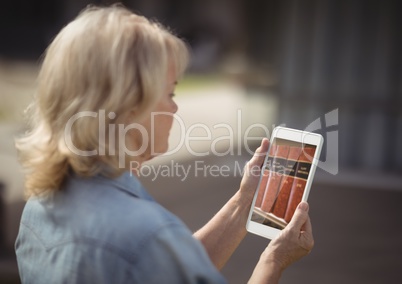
(101, 230)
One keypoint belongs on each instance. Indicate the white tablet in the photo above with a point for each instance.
(286, 177)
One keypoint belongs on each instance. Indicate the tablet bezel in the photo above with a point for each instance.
(293, 135)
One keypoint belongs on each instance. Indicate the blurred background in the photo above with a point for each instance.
(332, 66)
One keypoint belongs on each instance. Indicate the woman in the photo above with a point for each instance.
(88, 219)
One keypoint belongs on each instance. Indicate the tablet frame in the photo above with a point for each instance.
(293, 135)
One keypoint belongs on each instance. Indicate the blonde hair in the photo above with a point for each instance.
(106, 59)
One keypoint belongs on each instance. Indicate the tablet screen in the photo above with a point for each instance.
(283, 181)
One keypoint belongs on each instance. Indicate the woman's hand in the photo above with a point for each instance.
(222, 235)
(252, 171)
(294, 242)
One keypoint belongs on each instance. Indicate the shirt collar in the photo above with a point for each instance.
(128, 183)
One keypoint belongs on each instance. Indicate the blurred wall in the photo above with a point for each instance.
(343, 55)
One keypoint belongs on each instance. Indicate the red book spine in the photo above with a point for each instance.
(275, 177)
(281, 203)
(264, 179)
(301, 175)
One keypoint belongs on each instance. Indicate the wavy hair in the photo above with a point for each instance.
(106, 59)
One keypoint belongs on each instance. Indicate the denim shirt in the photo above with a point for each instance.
(101, 230)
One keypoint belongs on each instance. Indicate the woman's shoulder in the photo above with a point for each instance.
(121, 203)
(100, 212)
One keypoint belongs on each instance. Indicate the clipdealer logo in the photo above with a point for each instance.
(327, 126)
(235, 138)
(107, 133)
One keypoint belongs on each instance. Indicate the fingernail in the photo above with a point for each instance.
(303, 206)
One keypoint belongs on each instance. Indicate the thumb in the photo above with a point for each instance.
(253, 167)
(259, 155)
(300, 216)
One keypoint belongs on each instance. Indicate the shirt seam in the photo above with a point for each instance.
(88, 241)
(131, 258)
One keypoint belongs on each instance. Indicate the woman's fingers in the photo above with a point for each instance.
(252, 169)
